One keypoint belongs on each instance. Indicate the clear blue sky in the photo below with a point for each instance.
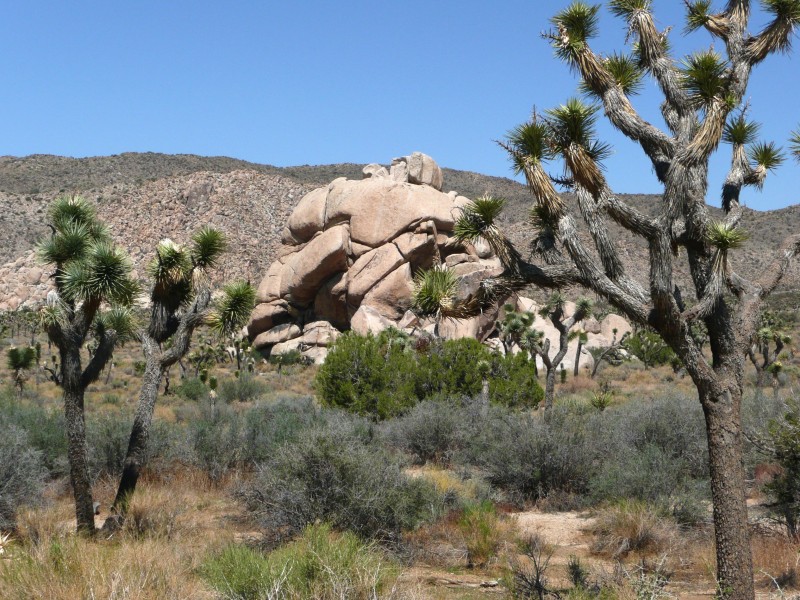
(313, 82)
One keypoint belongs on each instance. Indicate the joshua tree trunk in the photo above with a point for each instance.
(157, 364)
(578, 358)
(77, 451)
(723, 428)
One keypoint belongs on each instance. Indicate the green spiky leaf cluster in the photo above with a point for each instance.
(783, 10)
(697, 14)
(627, 8)
(103, 273)
(725, 237)
(740, 131)
(579, 21)
(766, 155)
(555, 303)
(88, 266)
(584, 306)
(704, 77)
(794, 144)
(434, 291)
(626, 72)
(207, 245)
(574, 123)
(120, 319)
(171, 264)
(477, 218)
(19, 359)
(233, 308)
(528, 142)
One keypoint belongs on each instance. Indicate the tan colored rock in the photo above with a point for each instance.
(409, 319)
(380, 209)
(330, 303)
(358, 250)
(368, 320)
(592, 325)
(374, 170)
(270, 287)
(265, 316)
(287, 346)
(526, 305)
(368, 270)
(324, 256)
(391, 297)
(455, 259)
(319, 333)
(423, 170)
(611, 322)
(276, 335)
(308, 216)
(416, 248)
(399, 170)
(316, 354)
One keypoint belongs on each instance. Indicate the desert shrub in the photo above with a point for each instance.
(784, 435)
(244, 388)
(649, 474)
(447, 368)
(430, 431)
(530, 457)
(267, 426)
(319, 564)
(192, 388)
(44, 429)
(334, 474)
(213, 436)
(22, 474)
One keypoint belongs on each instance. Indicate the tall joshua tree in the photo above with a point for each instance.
(90, 272)
(702, 107)
(180, 301)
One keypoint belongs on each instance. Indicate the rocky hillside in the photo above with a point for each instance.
(146, 197)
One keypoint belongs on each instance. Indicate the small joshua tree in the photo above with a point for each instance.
(90, 272)
(554, 310)
(21, 360)
(180, 301)
(769, 341)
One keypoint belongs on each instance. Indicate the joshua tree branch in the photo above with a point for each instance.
(105, 349)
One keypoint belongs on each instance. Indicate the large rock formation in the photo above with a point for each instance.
(349, 253)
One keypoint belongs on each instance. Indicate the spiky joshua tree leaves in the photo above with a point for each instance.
(90, 272)
(702, 108)
(21, 360)
(180, 301)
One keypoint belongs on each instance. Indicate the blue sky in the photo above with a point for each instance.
(313, 82)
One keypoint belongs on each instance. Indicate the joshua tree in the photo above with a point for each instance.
(21, 360)
(180, 300)
(513, 326)
(612, 354)
(89, 272)
(554, 310)
(435, 295)
(769, 342)
(582, 338)
(703, 98)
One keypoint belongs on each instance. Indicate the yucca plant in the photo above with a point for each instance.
(180, 301)
(434, 295)
(89, 272)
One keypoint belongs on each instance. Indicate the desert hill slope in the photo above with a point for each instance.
(148, 196)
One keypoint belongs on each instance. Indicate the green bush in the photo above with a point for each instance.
(319, 564)
(192, 388)
(214, 439)
(784, 434)
(267, 426)
(649, 348)
(335, 474)
(44, 429)
(384, 375)
(430, 432)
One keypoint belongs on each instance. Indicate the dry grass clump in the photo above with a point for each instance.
(776, 560)
(154, 557)
(633, 527)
